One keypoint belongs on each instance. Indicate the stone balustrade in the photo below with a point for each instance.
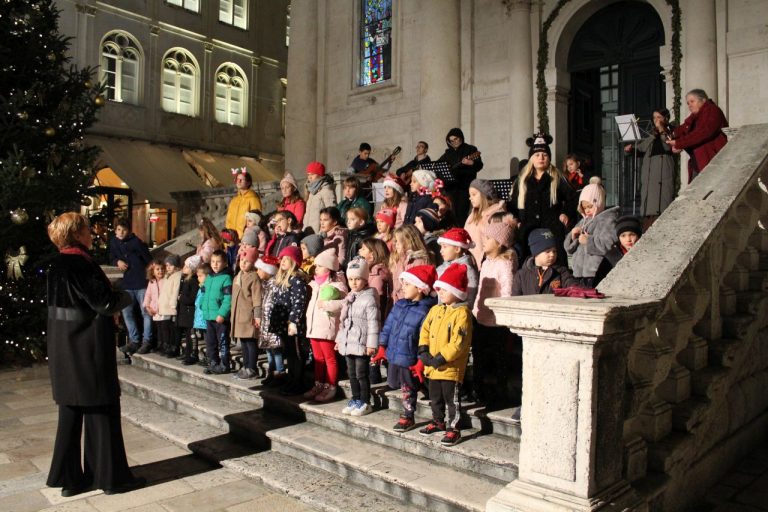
(641, 400)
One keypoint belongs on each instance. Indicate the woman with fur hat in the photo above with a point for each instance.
(484, 204)
(291, 199)
(320, 194)
(594, 235)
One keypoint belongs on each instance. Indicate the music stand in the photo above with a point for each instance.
(502, 188)
(441, 169)
(629, 132)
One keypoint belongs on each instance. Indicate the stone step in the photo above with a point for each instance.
(418, 481)
(317, 488)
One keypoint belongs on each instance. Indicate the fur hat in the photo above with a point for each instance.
(173, 259)
(539, 142)
(593, 193)
(422, 277)
(316, 168)
(457, 237)
(425, 178)
(429, 218)
(358, 267)
(502, 232)
(454, 279)
(314, 244)
(289, 179)
(628, 223)
(251, 254)
(328, 259)
(540, 240)
(193, 262)
(394, 182)
(484, 187)
(292, 252)
(250, 237)
(388, 215)
(268, 264)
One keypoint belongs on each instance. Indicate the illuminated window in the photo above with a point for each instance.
(180, 82)
(376, 41)
(121, 63)
(231, 95)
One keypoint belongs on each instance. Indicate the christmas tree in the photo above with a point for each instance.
(46, 104)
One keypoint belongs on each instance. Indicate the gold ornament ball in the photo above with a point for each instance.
(87, 84)
(99, 101)
(50, 131)
(23, 115)
(51, 56)
(19, 216)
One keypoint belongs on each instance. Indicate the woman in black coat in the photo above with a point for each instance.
(83, 368)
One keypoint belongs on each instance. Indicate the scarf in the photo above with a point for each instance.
(314, 187)
(76, 249)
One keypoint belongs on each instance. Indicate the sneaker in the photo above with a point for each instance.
(327, 394)
(245, 374)
(145, 348)
(404, 424)
(362, 409)
(351, 406)
(450, 438)
(221, 369)
(316, 389)
(432, 427)
(129, 348)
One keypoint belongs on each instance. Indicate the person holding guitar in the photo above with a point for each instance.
(421, 158)
(465, 163)
(363, 163)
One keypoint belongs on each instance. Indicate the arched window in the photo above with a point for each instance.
(231, 91)
(180, 82)
(234, 12)
(121, 62)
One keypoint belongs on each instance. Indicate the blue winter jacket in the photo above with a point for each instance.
(401, 330)
(136, 254)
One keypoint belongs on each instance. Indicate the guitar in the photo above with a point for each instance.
(472, 156)
(375, 171)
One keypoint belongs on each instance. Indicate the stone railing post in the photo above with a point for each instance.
(574, 375)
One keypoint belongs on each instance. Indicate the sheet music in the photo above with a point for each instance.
(628, 128)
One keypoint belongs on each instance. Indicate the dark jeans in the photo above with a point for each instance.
(294, 355)
(358, 367)
(250, 352)
(167, 335)
(105, 464)
(129, 316)
(217, 342)
(444, 393)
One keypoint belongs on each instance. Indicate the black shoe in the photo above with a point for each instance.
(171, 353)
(129, 348)
(432, 427)
(404, 424)
(144, 349)
(136, 483)
(450, 438)
(68, 493)
(189, 360)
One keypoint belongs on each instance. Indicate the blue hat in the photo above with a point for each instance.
(540, 240)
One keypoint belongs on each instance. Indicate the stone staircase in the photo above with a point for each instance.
(313, 452)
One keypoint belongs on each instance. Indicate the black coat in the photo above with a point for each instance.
(526, 281)
(416, 202)
(463, 174)
(136, 254)
(355, 240)
(410, 166)
(611, 258)
(185, 319)
(81, 336)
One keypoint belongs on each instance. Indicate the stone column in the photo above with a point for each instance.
(521, 77)
(440, 98)
(700, 47)
(301, 95)
(574, 373)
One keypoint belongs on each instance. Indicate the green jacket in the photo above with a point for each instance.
(359, 202)
(217, 296)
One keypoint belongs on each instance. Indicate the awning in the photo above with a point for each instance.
(220, 166)
(153, 171)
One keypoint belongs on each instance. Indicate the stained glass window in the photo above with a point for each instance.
(376, 41)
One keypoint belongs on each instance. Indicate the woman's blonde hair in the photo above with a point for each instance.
(412, 241)
(476, 215)
(63, 229)
(283, 277)
(522, 186)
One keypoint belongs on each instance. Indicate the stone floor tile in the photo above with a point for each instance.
(27, 403)
(271, 502)
(145, 496)
(78, 505)
(29, 501)
(4, 458)
(43, 462)
(40, 418)
(16, 469)
(26, 483)
(212, 479)
(216, 498)
(152, 507)
(157, 454)
(53, 495)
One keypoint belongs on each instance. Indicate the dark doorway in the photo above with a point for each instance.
(614, 66)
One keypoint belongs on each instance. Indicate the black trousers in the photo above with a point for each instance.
(105, 464)
(167, 335)
(445, 394)
(358, 368)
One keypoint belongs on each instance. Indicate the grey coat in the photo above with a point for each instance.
(359, 323)
(657, 178)
(602, 235)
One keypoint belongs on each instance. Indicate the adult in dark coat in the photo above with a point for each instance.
(701, 134)
(131, 255)
(81, 360)
(421, 157)
(657, 172)
(464, 170)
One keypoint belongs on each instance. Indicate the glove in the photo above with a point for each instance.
(425, 357)
(434, 362)
(417, 370)
(292, 329)
(381, 355)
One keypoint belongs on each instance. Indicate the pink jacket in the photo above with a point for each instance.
(323, 316)
(413, 259)
(380, 279)
(205, 249)
(152, 298)
(476, 230)
(495, 280)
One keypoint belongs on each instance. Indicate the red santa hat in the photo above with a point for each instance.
(458, 237)
(454, 279)
(420, 276)
(394, 182)
(268, 264)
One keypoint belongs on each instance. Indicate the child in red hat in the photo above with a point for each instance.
(444, 345)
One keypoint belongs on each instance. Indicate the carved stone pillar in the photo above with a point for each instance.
(521, 76)
(301, 95)
(574, 373)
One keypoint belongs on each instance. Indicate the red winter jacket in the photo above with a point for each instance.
(701, 136)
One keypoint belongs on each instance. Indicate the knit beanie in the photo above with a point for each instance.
(193, 262)
(328, 259)
(393, 182)
(484, 187)
(289, 179)
(357, 268)
(314, 244)
(250, 237)
(388, 215)
(253, 217)
(593, 193)
(454, 279)
(425, 178)
(429, 218)
(457, 237)
(173, 259)
(502, 232)
(316, 168)
(268, 264)
(422, 277)
(539, 142)
(628, 223)
(251, 254)
(540, 240)
(292, 252)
